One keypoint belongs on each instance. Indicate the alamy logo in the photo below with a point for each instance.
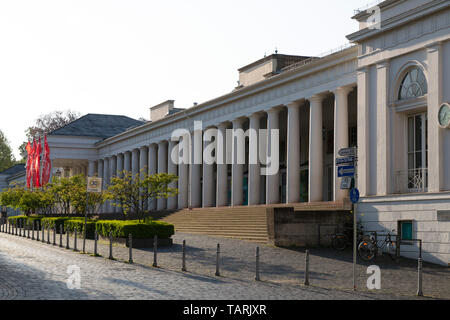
(374, 281)
(208, 147)
(74, 280)
(374, 20)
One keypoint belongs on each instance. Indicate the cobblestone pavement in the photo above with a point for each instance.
(37, 270)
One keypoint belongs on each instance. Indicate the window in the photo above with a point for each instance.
(418, 152)
(405, 230)
(414, 85)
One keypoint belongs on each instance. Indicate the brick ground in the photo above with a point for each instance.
(282, 272)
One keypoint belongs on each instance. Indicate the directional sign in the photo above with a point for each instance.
(346, 160)
(354, 195)
(347, 152)
(346, 171)
(346, 183)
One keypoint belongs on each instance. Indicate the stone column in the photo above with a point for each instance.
(209, 186)
(363, 133)
(222, 168)
(183, 172)
(112, 173)
(315, 149)
(237, 167)
(272, 179)
(195, 167)
(162, 168)
(340, 135)
(120, 165)
(100, 164)
(127, 161)
(293, 153)
(143, 160)
(106, 205)
(254, 167)
(135, 162)
(152, 169)
(91, 169)
(172, 168)
(436, 172)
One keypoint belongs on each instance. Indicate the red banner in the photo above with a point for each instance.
(37, 165)
(32, 167)
(29, 163)
(47, 165)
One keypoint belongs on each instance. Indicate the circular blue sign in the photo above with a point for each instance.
(354, 195)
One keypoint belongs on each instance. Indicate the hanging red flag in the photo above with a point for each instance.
(37, 165)
(32, 166)
(29, 150)
(47, 165)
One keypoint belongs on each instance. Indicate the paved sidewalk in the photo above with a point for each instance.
(279, 266)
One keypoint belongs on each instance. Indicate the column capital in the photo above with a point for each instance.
(434, 46)
(143, 148)
(383, 64)
(256, 115)
(162, 142)
(318, 97)
(238, 121)
(273, 110)
(344, 90)
(295, 104)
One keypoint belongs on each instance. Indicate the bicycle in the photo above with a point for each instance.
(369, 248)
(340, 241)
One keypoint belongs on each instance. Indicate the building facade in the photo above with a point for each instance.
(382, 94)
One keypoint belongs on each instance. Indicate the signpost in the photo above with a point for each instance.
(354, 198)
(94, 184)
(346, 152)
(346, 171)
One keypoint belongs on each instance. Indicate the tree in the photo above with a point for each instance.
(128, 191)
(47, 123)
(7, 159)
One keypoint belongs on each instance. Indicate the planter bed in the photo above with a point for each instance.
(139, 243)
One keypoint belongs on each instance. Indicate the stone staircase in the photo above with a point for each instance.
(246, 223)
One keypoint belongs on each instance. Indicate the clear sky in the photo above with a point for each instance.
(122, 57)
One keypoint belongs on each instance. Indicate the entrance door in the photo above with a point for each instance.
(418, 152)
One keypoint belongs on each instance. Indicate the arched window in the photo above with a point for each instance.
(413, 85)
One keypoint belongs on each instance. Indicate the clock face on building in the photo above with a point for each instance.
(444, 115)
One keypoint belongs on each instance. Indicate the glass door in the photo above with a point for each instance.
(418, 152)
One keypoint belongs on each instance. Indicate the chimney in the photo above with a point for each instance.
(161, 110)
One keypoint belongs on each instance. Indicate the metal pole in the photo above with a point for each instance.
(95, 242)
(218, 260)
(355, 207)
(48, 234)
(155, 251)
(43, 234)
(38, 224)
(419, 278)
(110, 246)
(32, 231)
(85, 222)
(257, 278)
(28, 230)
(183, 264)
(75, 240)
(130, 246)
(307, 268)
(60, 235)
(54, 235)
(67, 238)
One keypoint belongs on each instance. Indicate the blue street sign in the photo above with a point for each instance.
(354, 195)
(346, 171)
(346, 160)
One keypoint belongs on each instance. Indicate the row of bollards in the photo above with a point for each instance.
(23, 229)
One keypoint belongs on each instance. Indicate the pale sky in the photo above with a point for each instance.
(124, 56)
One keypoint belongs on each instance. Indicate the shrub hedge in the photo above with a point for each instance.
(78, 224)
(54, 222)
(139, 230)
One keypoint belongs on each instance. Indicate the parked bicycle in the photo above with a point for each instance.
(340, 241)
(370, 247)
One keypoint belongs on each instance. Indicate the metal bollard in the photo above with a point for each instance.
(155, 251)
(37, 230)
(54, 235)
(32, 230)
(67, 238)
(48, 234)
(257, 278)
(130, 246)
(307, 268)
(110, 247)
(19, 227)
(419, 278)
(75, 241)
(95, 242)
(43, 234)
(183, 257)
(60, 235)
(218, 260)
(28, 230)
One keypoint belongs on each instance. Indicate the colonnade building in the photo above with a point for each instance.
(382, 95)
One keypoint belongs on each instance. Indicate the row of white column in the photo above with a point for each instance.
(199, 187)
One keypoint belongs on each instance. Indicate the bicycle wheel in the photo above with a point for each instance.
(367, 250)
(391, 250)
(340, 242)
